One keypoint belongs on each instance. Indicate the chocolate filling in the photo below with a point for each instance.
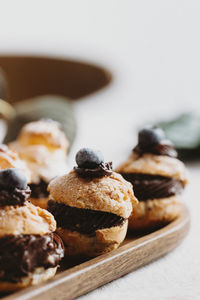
(22, 254)
(39, 190)
(163, 148)
(95, 172)
(14, 196)
(153, 186)
(85, 221)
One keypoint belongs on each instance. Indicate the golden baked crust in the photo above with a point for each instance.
(154, 213)
(27, 219)
(105, 240)
(43, 146)
(155, 165)
(43, 132)
(109, 193)
(10, 159)
(38, 276)
(41, 202)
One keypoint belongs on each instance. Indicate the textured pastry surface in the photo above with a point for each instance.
(153, 213)
(43, 132)
(10, 159)
(155, 165)
(43, 146)
(27, 219)
(104, 241)
(109, 193)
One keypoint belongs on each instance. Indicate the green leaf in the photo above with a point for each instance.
(184, 132)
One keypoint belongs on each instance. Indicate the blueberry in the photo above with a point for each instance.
(88, 158)
(13, 178)
(150, 136)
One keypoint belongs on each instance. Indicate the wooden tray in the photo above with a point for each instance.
(87, 276)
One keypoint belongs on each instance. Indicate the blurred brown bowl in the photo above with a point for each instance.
(30, 76)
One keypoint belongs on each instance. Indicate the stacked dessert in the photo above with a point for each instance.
(43, 147)
(29, 250)
(158, 178)
(91, 205)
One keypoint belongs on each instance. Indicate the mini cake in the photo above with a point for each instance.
(29, 250)
(91, 205)
(43, 146)
(158, 178)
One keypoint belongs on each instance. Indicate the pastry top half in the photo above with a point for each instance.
(26, 219)
(43, 146)
(43, 132)
(17, 215)
(154, 155)
(110, 193)
(93, 185)
(153, 164)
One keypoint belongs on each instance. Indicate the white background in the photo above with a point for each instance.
(153, 50)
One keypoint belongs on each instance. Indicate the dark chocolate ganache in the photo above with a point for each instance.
(39, 190)
(85, 221)
(16, 196)
(153, 186)
(101, 170)
(162, 148)
(22, 254)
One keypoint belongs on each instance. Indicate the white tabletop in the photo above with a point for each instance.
(152, 48)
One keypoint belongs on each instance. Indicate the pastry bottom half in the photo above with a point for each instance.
(41, 202)
(39, 193)
(104, 240)
(38, 276)
(154, 213)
